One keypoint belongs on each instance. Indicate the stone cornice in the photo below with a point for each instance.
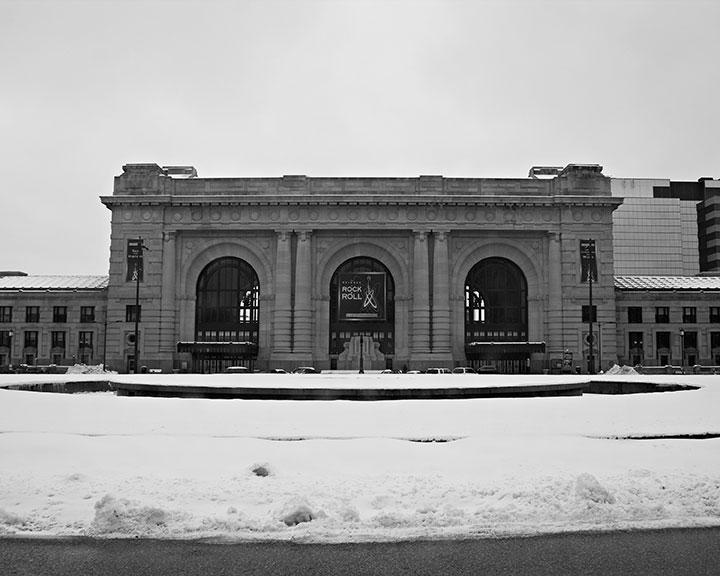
(361, 200)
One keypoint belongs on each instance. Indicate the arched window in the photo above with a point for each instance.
(227, 302)
(495, 302)
(374, 281)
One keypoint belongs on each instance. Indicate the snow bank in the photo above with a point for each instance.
(105, 466)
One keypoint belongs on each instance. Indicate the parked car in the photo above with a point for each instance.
(237, 370)
(305, 370)
(464, 370)
(487, 369)
(277, 371)
(437, 371)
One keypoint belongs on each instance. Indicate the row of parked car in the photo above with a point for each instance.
(310, 370)
(488, 369)
(246, 370)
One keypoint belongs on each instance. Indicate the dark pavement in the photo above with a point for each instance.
(680, 552)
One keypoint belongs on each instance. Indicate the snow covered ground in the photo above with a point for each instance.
(102, 465)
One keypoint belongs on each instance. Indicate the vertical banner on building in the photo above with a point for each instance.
(588, 263)
(361, 296)
(134, 260)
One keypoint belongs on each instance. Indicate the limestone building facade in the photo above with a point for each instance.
(339, 273)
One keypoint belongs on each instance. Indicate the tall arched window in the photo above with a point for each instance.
(495, 302)
(227, 302)
(371, 279)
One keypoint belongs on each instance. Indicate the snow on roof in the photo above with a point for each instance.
(53, 282)
(667, 282)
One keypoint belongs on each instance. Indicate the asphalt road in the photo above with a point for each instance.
(681, 552)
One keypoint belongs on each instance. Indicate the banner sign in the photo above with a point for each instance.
(588, 263)
(361, 296)
(135, 260)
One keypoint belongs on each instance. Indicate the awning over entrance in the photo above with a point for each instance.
(502, 350)
(234, 349)
(214, 357)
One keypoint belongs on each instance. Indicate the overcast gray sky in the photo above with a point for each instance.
(336, 88)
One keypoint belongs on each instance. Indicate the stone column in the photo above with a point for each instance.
(441, 295)
(303, 317)
(283, 289)
(554, 288)
(420, 323)
(168, 336)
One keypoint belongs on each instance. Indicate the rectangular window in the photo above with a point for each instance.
(586, 314)
(714, 340)
(689, 314)
(715, 314)
(31, 339)
(5, 339)
(5, 313)
(662, 348)
(57, 339)
(59, 313)
(636, 347)
(85, 339)
(130, 312)
(662, 315)
(662, 340)
(32, 314)
(634, 315)
(87, 313)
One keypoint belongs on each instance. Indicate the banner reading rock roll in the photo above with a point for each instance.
(361, 296)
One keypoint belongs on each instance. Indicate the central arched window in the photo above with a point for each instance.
(370, 307)
(495, 302)
(227, 302)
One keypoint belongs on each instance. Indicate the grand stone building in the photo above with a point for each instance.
(331, 272)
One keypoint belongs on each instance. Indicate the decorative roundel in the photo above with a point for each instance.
(215, 215)
(470, 215)
(412, 214)
(352, 215)
(274, 214)
(128, 215)
(313, 215)
(490, 215)
(392, 214)
(147, 215)
(450, 214)
(235, 215)
(596, 216)
(546, 215)
(527, 215)
(197, 215)
(372, 214)
(431, 214)
(333, 215)
(254, 214)
(577, 215)
(178, 216)
(294, 215)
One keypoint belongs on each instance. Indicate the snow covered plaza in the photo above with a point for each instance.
(103, 465)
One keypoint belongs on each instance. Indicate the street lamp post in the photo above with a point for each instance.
(10, 348)
(361, 355)
(682, 351)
